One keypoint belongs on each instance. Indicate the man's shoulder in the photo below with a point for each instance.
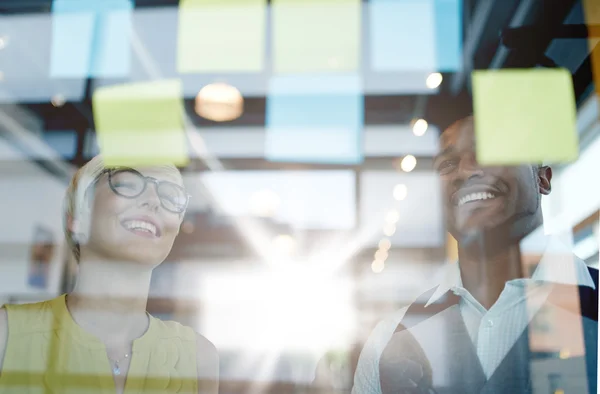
(594, 274)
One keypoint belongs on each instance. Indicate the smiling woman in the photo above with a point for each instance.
(120, 224)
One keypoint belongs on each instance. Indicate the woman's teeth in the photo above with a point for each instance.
(140, 225)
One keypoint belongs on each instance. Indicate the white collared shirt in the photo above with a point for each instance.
(492, 331)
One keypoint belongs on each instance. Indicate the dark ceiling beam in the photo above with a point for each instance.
(547, 17)
(518, 20)
(487, 20)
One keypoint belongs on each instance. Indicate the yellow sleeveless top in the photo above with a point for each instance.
(47, 352)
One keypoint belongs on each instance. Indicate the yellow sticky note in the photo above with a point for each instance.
(524, 116)
(451, 248)
(221, 36)
(316, 35)
(592, 18)
(141, 124)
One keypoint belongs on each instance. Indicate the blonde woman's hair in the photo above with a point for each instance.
(77, 207)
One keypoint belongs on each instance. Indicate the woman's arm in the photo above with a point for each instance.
(208, 366)
(3, 335)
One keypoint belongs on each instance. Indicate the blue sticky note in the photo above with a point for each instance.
(315, 119)
(414, 35)
(448, 34)
(91, 38)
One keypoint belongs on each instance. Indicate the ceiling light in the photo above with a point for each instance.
(434, 80)
(408, 163)
(3, 42)
(400, 192)
(377, 266)
(420, 127)
(58, 100)
(219, 102)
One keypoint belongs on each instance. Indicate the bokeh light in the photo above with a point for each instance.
(389, 230)
(219, 102)
(392, 216)
(385, 244)
(408, 163)
(420, 127)
(434, 80)
(400, 192)
(377, 266)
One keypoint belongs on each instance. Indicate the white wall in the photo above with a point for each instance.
(576, 188)
(30, 197)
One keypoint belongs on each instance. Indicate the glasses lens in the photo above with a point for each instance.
(127, 183)
(172, 196)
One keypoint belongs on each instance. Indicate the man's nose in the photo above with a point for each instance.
(469, 167)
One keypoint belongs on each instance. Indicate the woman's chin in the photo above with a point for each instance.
(145, 257)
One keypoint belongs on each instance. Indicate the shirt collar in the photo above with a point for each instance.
(557, 265)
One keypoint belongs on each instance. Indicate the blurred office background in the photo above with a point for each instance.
(289, 253)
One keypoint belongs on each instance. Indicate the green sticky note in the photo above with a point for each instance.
(221, 36)
(316, 35)
(141, 124)
(524, 116)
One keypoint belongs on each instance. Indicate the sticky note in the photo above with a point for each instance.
(412, 35)
(91, 38)
(141, 124)
(524, 116)
(221, 36)
(315, 119)
(312, 36)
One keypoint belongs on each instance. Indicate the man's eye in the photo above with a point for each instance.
(446, 166)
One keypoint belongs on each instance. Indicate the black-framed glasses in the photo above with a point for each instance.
(129, 183)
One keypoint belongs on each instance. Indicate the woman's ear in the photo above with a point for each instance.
(544, 175)
(78, 229)
(72, 224)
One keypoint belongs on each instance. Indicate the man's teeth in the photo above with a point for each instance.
(140, 225)
(475, 197)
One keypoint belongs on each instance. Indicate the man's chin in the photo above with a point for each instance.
(475, 229)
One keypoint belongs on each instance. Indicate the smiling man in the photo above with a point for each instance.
(472, 332)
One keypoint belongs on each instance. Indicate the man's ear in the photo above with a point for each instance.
(544, 174)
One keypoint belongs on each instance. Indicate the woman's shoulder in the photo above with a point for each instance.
(3, 334)
(30, 317)
(168, 329)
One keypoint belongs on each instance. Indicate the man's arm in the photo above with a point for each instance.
(207, 362)
(3, 335)
(366, 378)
